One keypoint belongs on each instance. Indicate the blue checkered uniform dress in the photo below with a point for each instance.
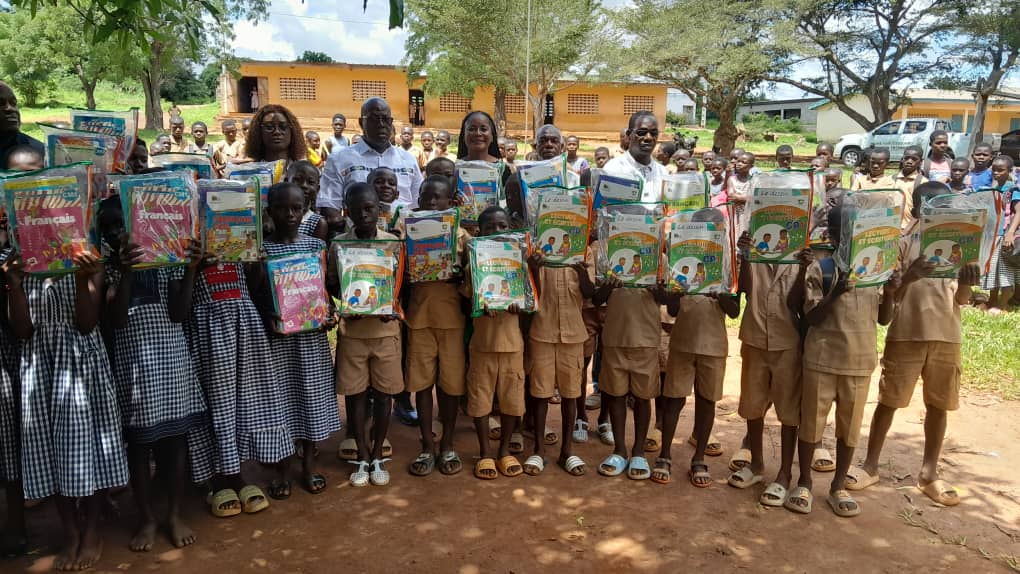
(230, 349)
(308, 223)
(70, 426)
(303, 367)
(10, 362)
(157, 386)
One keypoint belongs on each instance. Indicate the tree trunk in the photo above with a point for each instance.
(152, 81)
(980, 110)
(726, 134)
(538, 109)
(500, 109)
(89, 85)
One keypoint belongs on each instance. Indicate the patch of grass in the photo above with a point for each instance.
(989, 363)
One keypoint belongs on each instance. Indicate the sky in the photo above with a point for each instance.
(340, 29)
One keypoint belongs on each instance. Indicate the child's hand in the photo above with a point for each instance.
(14, 269)
(919, 269)
(513, 309)
(744, 242)
(969, 275)
(611, 283)
(195, 254)
(488, 312)
(805, 257)
(130, 255)
(330, 323)
(88, 264)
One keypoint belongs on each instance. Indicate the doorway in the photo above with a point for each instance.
(245, 86)
(550, 108)
(416, 107)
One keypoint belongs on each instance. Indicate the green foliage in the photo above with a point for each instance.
(771, 124)
(184, 87)
(675, 119)
(313, 57)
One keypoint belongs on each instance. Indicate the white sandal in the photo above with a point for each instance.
(580, 431)
(359, 477)
(534, 462)
(606, 434)
(379, 476)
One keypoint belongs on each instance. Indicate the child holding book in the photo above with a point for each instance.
(495, 368)
(435, 345)
(1003, 274)
(303, 174)
(739, 187)
(13, 541)
(784, 157)
(304, 375)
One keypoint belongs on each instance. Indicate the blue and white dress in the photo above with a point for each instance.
(309, 222)
(10, 361)
(70, 426)
(303, 366)
(230, 349)
(157, 386)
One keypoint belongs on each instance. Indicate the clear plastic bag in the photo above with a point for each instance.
(609, 189)
(630, 243)
(431, 244)
(479, 186)
(684, 192)
(779, 216)
(67, 147)
(199, 163)
(298, 285)
(160, 215)
(700, 253)
(869, 239)
(371, 277)
(232, 219)
(957, 230)
(122, 125)
(499, 273)
(560, 224)
(49, 212)
(551, 172)
(269, 173)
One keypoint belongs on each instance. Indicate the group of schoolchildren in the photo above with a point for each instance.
(187, 366)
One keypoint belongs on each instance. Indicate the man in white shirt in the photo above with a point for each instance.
(637, 163)
(353, 164)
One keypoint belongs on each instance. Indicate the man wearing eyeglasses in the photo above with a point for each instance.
(642, 137)
(353, 164)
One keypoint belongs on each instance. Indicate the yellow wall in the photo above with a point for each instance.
(333, 90)
(997, 117)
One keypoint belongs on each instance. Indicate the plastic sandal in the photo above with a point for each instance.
(799, 493)
(426, 461)
(606, 434)
(774, 495)
(640, 464)
(580, 433)
(387, 448)
(572, 465)
(451, 460)
(822, 461)
(550, 437)
(534, 465)
(613, 465)
(359, 477)
(495, 429)
(348, 450)
(222, 497)
(593, 402)
(859, 479)
(941, 492)
(713, 448)
(694, 475)
(744, 478)
(315, 483)
(843, 497)
(279, 489)
(379, 475)
(556, 398)
(510, 466)
(486, 465)
(253, 499)
(740, 459)
(653, 442)
(516, 445)
(661, 474)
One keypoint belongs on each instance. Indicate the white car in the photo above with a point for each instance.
(896, 136)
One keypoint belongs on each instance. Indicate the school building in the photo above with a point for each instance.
(957, 107)
(314, 92)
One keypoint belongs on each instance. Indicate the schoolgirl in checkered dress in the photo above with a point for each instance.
(70, 426)
(230, 349)
(309, 223)
(10, 361)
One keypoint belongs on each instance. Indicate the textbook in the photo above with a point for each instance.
(370, 277)
(160, 215)
(958, 229)
(499, 273)
(65, 147)
(121, 125)
(479, 186)
(199, 163)
(779, 209)
(630, 244)
(533, 175)
(49, 211)
(562, 218)
(684, 192)
(700, 258)
(608, 189)
(233, 226)
(869, 242)
(431, 245)
(299, 291)
(268, 173)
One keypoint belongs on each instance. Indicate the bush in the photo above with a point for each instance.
(184, 87)
(767, 123)
(675, 119)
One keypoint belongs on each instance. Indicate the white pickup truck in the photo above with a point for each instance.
(896, 136)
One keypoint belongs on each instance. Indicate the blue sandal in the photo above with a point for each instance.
(613, 465)
(639, 464)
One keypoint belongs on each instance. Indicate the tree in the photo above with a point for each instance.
(990, 48)
(719, 58)
(24, 66)
(462, 44)
(875, 48)
(313, 57)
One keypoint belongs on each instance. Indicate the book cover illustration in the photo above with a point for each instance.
(697, 258)
(479, 186)
(499, 273)
(431, 245)
(299, 291)
(630, 248)
(160, 213)
(779, 219)
(561, 226)
(49, 216)
(369, 278)
(233, 226)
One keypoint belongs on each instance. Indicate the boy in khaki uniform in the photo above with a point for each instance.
(556, 341)
(840, 353)
(630, 350)
(435, 347)
(496, 368)
(771, 372)
(368, 353)
(923, 341)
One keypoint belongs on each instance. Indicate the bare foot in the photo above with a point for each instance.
(180, 534)
(65, 561)
(91, 550)
(144, 538)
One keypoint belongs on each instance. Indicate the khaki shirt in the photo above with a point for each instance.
(370, 327)
(182, 147)
(769, 323)
(927, 310)
(845, 342)
(906, 185)
(866, 182)
(705, 332)
(632, 319)
(559, 318)
(223, 152)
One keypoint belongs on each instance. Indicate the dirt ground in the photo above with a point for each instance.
(598, 524)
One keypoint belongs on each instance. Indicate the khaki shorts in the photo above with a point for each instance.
(770, 377)
(935, 362)
(500, 374)
(663, 350)
(552, 365)
(687, 372)
(822, 389)
(630, 370)
(364, 362)
(594, 318)
(435, 350)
